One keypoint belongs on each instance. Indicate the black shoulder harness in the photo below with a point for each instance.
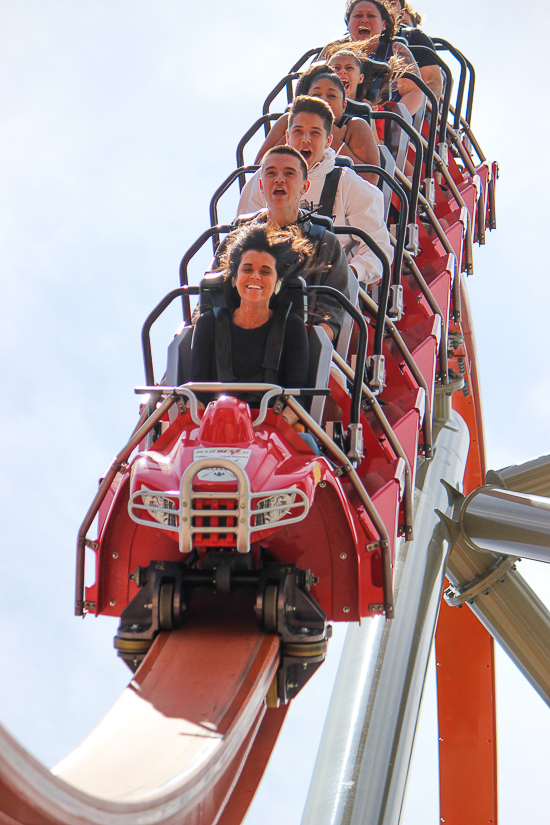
(328, 195)
(273, 349)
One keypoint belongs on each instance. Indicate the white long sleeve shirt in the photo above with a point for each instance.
(357, 203)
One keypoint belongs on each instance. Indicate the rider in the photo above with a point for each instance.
(375, 23)
(257, 341)
(352, 136)
(284, 183)
(340, 191)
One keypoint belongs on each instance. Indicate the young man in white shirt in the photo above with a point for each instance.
(356, 202)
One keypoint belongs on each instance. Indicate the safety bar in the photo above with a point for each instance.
(394, 442)
(448, 88)
(247, 136)
(417, 171)
(355, 413)
(346, 468)
(268, 391)
(384, 287)
(117, 465)
(471, 90)
(432, 135)
(444, 45)
(373, 311)
(150, 320)
(362, 168)
(221, 190)
(285, 81)
(214, 231)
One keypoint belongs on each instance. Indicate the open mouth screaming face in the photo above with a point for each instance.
(365, 21)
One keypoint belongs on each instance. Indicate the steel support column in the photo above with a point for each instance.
(361, 769)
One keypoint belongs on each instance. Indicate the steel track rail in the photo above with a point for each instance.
(168, 751)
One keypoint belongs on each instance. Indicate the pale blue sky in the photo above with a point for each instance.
(119, 118)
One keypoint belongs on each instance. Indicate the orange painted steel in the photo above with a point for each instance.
(168, 751)
(467, 721)
(465, 649)
(254, 768)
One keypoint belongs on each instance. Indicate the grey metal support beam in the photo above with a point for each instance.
(490, 529)
(361, 769)
(532, 477)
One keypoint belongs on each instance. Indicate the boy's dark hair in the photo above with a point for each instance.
(284, 149)
(313, 106)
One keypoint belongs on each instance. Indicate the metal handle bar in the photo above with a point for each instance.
(432, 136)
(417, 141)
(285, 81)
(191, 252)
(268, 391)
(384, 287)
(221, 190)
(448, 87)
(361, 168)
(355, 410)
(150, 320)
(311, 53)
(444, 45)
(248, 135)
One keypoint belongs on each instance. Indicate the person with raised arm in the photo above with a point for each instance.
(429, 68)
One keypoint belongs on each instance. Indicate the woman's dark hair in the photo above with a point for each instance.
(287, 246)
(388, 72)
(307, 77)
(387, 14)
(333, 77)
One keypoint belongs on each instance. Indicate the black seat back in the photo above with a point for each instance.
(320, 360)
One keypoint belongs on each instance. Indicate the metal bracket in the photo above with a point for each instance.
(355, 452)
(396, 305)
(455, 596)
(412, 246)
(377, 368)
(429, 191)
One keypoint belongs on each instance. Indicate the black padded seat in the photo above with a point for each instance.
(397, 140)
(320, 360)
(179, 358)
(344, 336)
(178, 363)
(387, 162)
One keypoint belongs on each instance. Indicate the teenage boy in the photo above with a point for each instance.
(283, 176)
(342, 194)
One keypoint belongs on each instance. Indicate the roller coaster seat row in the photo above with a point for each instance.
(228, 508)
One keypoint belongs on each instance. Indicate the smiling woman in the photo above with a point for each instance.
(260, 340)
